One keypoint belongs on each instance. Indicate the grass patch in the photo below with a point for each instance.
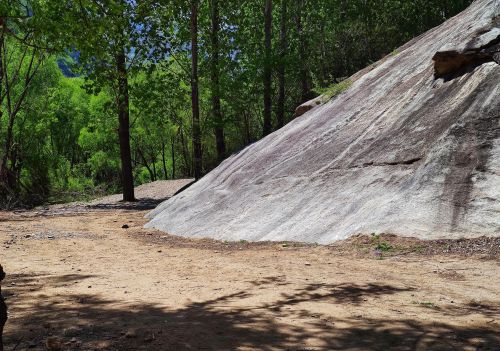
(384, 247)
(426, 304)
(333, 90)
(394, 52)
(381, 246)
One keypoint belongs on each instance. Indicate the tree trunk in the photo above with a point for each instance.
(324, 61)
(281, 69)
(6, 178)
(246, 121)
(164, 160)
(145, 163)
(304, 79)
(1, 72)
(155, 175)
(216, 106)
(185, 154)
(173, 158)
(197, 151)
(268, 13)
(124, 127)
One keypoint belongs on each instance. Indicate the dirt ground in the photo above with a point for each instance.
(81, 281)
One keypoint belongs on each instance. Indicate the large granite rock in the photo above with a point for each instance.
(408, 149)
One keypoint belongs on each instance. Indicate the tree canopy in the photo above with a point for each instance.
(101, 95)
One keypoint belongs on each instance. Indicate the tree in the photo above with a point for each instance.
(195, 100)
(280, 114)
(268, 15)
(20, 60)
(133, 91)
(304, 79)
(215, 82)
(122, 103)
(103, 34)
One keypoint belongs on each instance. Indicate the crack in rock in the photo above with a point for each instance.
(394, 163)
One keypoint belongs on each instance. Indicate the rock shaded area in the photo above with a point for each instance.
(403, 151)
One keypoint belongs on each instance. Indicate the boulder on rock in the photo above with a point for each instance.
(482, 48)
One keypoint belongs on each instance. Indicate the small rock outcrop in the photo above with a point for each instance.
(411, 147)
(307, 106)
(485, 47)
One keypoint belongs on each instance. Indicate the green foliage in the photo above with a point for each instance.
(333, 90)
(383, 247)
(65, 141)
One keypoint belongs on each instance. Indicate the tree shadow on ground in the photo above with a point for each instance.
(142, 204)
(90, 322)
(71, 209)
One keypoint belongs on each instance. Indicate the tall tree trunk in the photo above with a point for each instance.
(304, 79)
(124, 127)
(3, 171)
(216, 106)
(197, 151)
(281, 69)
(6, 178)
(268, 14)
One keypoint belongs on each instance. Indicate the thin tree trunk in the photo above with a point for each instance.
(153, 162)
(281, 69)
(5, 174)
(163, 159)
(324, 61)
(1, 71)
(6, 178)
(197, 151)
(185, 154)
(216, 106)
(268, 13)
(248, 134)
(173, 158)
(124, 127)
(145, 163)
(304, 79)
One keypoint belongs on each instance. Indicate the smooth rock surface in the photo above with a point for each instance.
(399, 152)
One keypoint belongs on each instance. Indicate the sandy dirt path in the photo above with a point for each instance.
(82, 282)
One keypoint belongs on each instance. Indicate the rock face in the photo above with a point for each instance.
(410, 148)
